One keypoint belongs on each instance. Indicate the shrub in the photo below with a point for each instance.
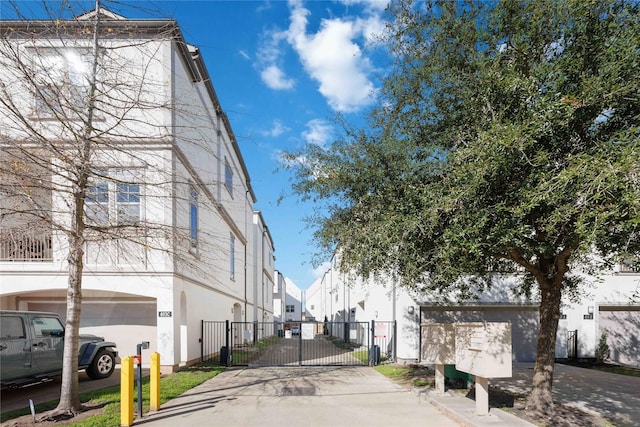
(602, 351)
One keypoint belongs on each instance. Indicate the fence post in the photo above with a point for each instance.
(255, 331)
(372, 349)
(227, 343)
(202, 341)
(345, 332)
(395, 340)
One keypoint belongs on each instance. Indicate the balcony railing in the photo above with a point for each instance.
(31, 245)
(631, 266)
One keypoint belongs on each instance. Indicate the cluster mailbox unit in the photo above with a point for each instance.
(482, 349)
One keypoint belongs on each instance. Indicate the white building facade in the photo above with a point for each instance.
(192, 247)
(610, 306)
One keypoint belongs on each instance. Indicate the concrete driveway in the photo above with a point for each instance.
(616, 397)
(294, 396)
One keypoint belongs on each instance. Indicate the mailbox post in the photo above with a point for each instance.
(484, 350)
(438, 348)
(142, 346)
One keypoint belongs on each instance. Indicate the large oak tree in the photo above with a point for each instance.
(507, 132)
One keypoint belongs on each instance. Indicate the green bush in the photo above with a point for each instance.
(602, 351)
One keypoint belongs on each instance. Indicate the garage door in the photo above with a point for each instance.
(622, 326)
(524, 324)
(125, 323)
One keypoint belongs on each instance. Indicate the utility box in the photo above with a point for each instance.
(438, 344)
(484, 349)
(438, 347)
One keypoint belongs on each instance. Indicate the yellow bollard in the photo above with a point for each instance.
(126, 392)
(155, 382)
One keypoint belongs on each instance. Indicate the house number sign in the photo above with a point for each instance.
(164, 314)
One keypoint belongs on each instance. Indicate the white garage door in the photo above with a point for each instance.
(125, 323)
(622, 326)
(524, 324)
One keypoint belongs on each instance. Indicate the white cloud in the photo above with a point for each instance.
(270, 59)
(244, 54)
(276, 130)
(333, 58)
(319, 132)
(275, 78)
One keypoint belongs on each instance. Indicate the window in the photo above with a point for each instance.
(290, 308)
(228, 177)
(193, 216)
(12, 327)
(127, 203)
(112, 199)
(97, 204)
(232, 257)
(46, 326)
(62, 77)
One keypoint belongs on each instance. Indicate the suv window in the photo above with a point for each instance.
(46, 326)
(12, 327)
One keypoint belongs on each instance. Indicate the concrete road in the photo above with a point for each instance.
(616, 397)
(50, 390)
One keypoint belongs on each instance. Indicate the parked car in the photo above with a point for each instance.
(32, 345)
(295, 330)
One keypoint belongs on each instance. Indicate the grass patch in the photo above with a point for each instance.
(411, 375)
(361, 355)
(171, 386)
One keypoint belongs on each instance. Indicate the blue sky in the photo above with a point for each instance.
(282, 70)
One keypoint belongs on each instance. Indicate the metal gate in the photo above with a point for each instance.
(572, 345)
(298, 343)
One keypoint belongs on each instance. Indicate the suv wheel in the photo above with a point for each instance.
(102, 365)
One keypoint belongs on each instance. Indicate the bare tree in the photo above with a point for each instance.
(85, 106)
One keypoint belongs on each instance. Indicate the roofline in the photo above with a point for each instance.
(206, 79)
(265, 226)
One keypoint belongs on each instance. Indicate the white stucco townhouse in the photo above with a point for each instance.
(609, 304)
(168, 169)
(264, 270)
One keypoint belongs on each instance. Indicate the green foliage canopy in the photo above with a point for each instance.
(506, 133)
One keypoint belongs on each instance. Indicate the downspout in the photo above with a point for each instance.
(246, 236)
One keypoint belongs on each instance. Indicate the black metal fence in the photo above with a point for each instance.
(572, 344)
(213, 339)
(298, 343)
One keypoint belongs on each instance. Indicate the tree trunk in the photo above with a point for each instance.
(69, 403)
(69, 390)
(540, 400)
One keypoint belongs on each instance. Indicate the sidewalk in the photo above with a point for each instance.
(463, 411)
(316, 396)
